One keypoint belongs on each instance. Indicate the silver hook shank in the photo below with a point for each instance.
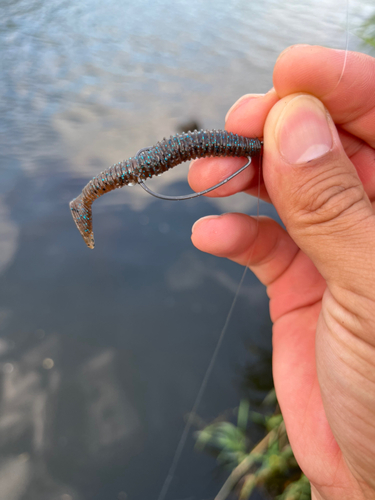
(192, 195)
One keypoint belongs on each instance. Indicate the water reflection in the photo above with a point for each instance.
(28, 397)
(8, 237)
(53, 413)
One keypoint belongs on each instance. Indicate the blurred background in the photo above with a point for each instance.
(102, 352)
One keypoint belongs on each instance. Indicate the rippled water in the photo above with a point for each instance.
(102, 353)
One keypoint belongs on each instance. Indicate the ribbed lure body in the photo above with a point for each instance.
(164, 155)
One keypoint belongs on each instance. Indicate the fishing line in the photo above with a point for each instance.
(346, 46)
(191, 417)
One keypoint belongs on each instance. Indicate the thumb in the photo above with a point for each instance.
(317, 191)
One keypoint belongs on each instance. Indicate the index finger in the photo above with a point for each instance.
(207, 172)
(342, 80)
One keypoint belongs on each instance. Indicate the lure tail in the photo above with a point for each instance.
(82, 214)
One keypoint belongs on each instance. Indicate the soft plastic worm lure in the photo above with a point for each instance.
(154, 161)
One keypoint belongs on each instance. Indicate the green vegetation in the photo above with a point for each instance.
(367, 31)
(269, 466)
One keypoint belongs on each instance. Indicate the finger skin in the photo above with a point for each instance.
(350, 100)
(207, 172)
(363, 158)
(276, 260)
(342, 80)
(314, 194)
(316, 70)
(247, 241)
(327, 213)
(267, 249)
(323, 336)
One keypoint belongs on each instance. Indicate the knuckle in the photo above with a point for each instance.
(333, 200)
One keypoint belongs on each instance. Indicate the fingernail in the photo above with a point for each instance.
(240, 102)
(204, 218)
(302, 132)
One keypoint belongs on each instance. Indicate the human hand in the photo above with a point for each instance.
(320, 272)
